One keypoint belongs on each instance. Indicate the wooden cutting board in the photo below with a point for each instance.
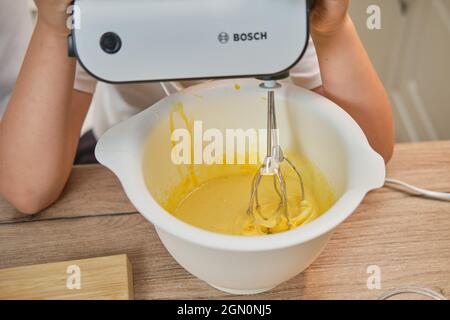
(96, 279)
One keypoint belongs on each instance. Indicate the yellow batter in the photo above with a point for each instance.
(220, 204)
(216, 197)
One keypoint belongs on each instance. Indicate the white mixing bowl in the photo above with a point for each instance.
(309, 123)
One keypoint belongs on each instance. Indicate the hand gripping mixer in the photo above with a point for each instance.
(121, 41)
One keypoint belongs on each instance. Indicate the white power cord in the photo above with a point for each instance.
(165, 89)
(173, 88)
(443, 196)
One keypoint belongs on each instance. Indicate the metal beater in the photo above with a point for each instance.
(272, 162)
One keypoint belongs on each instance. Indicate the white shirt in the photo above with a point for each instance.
(16, 26)
(112, 104)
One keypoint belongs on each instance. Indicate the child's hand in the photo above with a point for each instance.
(53, 15)
(327, 16)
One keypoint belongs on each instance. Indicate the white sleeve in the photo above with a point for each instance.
(306, 73)
(84, 81)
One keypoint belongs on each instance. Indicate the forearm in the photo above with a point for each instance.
(36, 140)
(350, 80)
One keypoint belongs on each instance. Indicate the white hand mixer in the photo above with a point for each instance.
(121, 41)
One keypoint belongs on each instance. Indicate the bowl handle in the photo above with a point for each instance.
(371, 166)
(107, 150)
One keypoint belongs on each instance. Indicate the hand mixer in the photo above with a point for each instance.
(121, 41)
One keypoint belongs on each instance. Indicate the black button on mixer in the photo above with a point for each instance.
(110, 42)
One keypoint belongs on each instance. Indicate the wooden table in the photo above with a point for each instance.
(407, 237)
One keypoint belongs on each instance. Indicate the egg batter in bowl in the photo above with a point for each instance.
(220, 203)
(216, 197)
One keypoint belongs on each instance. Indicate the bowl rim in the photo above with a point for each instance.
(165, 221)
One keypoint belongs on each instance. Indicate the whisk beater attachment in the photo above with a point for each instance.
(271, 165)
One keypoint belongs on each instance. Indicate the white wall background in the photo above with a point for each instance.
(411, 53)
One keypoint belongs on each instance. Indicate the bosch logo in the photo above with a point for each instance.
(223, 37)
(242, 37)
(250, 36)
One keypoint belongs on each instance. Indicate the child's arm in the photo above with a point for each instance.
(40, 129)
(348, 76)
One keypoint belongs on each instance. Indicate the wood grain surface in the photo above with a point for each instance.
(105, 278)
(407, 237)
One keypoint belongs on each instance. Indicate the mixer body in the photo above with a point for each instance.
(121, 41)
